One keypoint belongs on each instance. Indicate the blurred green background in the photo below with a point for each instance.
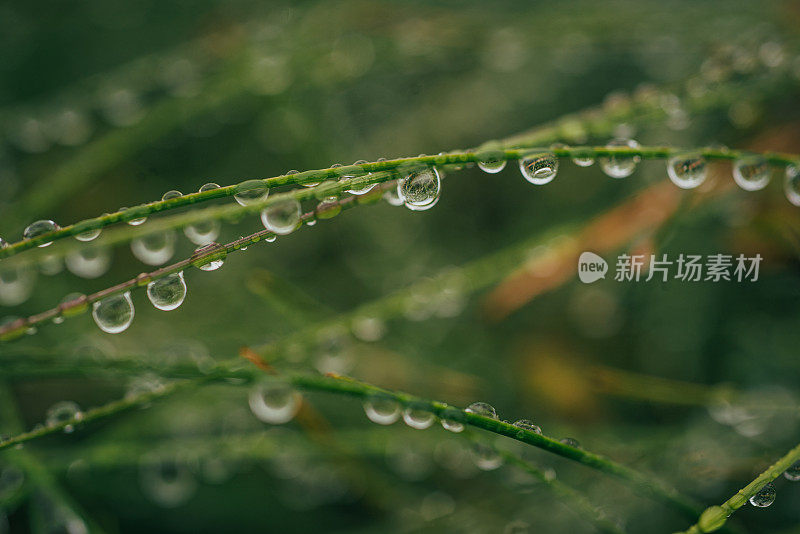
(105, 104)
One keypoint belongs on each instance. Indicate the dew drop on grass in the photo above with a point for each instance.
(90, 262)
(751, 173)
(167, 293)
(134, 222)
(172, 193)
(793, 473)
(274, 403)
(482, 408)
(764, 497)
(61, 412)
(250, 192)
(212, 265)
(491, 159)
(282, 217)
(358, 188)
(420, 189)
(381, 410)
(526, 424)
(539, 169)
(208, 187)
(620, 166)
(38, 228)
(452, 425)
(791, 185)
(417, 418)
(687, 171)
(88, 235)
(154, 249)
(583, 158)
(114, 314)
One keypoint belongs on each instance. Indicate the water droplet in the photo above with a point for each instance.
(38, 228)
(420, 189)
(88, 235)
(282, 217)
(251, 192)
(154, 249)
(417, 418)
(583, 158)
(91, 262)
(791, 185)
(486, 458)
(134, 222)
(539, 169)
(270, 238)
(208, 187)
(620, 166)
(793, 473)
(452, 426)
(359, 188)
(167, 480)
(526, 424)
(212, 265)
(765, 496)
(114, 314)
(167, 293)
(482, 408)
(491, 158)
(751, 173)
(203, 233)
(687, 171)
(172, 193)
(382, 410)
(274, 403)
(571, 442)
(16, 284)
(61, 412)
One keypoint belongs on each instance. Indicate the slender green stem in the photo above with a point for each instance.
(714, 517)
(357, 174)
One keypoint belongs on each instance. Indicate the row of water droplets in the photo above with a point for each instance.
(766, 495)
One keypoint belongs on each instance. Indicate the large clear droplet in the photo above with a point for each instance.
(764, 497)
(539, 169)
(154, 249)
(482, 408)
(251, 192)
(169, 195)
(381, 410)
(274, 403)
(203, 233)
(114, 314)
(526, 424)
(417, 418)
(38, 228)
(620, 166)
(452, 425)
(420, 190)
(282, 217)
(793, 473)
(791, 185)
(167, 293)
(751, 173)
(687, 171)
(91, 262)
(491, 159)
(583, 158)
(210, 186)
(61, 412)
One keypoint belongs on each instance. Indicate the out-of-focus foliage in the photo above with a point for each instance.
(106, 104)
